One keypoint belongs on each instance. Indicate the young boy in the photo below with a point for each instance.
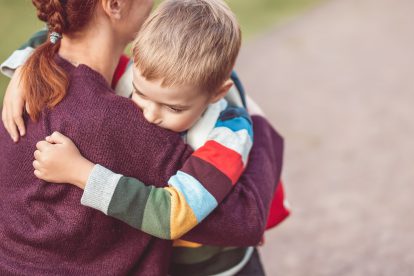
(183, 59)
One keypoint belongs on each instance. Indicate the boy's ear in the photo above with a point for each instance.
(114, 8)
(222, 91)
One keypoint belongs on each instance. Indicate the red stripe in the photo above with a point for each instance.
(224, 159)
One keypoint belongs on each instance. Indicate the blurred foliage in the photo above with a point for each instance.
(18, 20)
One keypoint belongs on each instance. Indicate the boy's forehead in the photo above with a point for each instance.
(156, 91)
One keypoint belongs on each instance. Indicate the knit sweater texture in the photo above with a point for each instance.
(44, 230)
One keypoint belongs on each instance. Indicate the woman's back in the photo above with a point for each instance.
(44, 229)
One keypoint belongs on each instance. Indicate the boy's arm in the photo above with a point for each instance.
(13, 102)
(240, 219)
(19, 56)
(192, 193)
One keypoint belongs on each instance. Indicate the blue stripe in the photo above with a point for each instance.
(237, 124)
(234, 111)
(197, 197)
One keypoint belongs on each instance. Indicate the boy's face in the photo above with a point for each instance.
(174, 108)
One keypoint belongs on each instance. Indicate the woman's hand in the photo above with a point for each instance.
(58, 160)
(13, 106)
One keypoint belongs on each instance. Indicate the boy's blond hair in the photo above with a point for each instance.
(188, 42)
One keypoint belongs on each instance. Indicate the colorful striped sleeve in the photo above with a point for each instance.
(192, 193)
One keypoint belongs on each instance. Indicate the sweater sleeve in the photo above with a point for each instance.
(192, 193)
(244, 212)
(19, 56)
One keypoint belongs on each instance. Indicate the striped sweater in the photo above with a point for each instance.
(192, 193)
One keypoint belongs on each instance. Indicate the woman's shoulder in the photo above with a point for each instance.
(92, 98)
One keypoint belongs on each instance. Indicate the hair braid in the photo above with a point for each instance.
(44, 81)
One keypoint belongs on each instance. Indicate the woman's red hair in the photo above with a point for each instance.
(44, 82)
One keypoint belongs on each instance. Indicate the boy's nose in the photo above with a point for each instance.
(152, 116)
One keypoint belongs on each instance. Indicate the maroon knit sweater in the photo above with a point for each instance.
(45, 230)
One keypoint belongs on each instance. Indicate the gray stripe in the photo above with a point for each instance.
(17, 59)
(100, 188)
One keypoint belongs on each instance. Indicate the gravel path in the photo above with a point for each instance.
(338, 83)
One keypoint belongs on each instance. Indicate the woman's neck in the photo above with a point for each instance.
(99, 51)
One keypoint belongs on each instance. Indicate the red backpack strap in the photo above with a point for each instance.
(120, 70)
(279, 209)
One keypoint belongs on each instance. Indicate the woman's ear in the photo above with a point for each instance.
(114, 8)
(222, 91)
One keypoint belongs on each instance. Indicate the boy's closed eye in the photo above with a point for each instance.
(139, 93)
(175, 109)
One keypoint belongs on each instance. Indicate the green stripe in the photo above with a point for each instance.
(157, 214)
(35, 40)
(129, 200)
(192, 255)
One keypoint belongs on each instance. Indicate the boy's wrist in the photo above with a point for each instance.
(84, 170)
(16, 60)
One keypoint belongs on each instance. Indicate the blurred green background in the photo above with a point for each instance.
(18, 21)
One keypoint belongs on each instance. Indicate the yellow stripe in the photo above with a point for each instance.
(183, 243)
(182, 216)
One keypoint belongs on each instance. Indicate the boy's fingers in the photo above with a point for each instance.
(6, 121)
(4, 118)
(36, 165)
(37, 173)
(42, 145)
(18, 120)
(12, 129)
(57, 138)
(36, 154)
(3, 115)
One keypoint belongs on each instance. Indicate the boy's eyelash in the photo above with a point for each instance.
(140, 94)
(175, 109)
(134, 91)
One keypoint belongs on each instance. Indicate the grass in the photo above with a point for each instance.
(18, 21)
(256, 15)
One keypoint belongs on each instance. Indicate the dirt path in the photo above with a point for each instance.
(338, 83)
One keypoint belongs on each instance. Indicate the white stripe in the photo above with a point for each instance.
(124, 86)
(238, 141)
(197, 135)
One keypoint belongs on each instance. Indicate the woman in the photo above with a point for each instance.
(44, 229)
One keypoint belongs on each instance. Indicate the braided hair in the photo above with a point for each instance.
(44, 82)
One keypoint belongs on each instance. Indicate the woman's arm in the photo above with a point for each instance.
(240, 219)
(168, 213)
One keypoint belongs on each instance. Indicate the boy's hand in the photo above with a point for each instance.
(13, 106)
(57, 159)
